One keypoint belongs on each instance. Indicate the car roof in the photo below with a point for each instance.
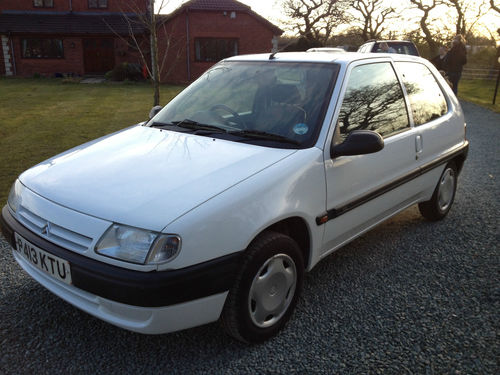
(342, 58)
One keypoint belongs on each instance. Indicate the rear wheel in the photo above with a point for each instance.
(442, 199)
(266, 290)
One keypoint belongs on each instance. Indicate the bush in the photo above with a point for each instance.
(109, 75)
(482, 57)
(125, 71)
(119, 73)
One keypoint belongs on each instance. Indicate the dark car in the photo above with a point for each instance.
(404, 47)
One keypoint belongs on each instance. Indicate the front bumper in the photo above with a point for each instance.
(130, 298)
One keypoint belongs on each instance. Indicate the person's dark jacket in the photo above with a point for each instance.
(438, 62)
(455, 59)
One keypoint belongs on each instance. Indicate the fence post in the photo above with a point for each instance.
(496, 88)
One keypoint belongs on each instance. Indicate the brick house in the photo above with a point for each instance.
(65, 36)
(209, 30)
(84, 37)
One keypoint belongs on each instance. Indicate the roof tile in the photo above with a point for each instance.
(216, 5)
(67, 24)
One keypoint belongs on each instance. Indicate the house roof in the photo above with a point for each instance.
(224, 5)
(30, 23)
(230, 5)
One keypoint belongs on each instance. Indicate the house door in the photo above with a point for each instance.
(98, 55)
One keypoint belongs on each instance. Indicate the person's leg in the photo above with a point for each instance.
(454, 77)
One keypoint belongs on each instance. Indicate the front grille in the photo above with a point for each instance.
(52, 232)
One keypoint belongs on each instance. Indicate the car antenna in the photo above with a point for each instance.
(271, 56)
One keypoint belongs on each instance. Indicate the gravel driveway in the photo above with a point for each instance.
(408, 297)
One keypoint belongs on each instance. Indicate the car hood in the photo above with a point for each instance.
(146, 177)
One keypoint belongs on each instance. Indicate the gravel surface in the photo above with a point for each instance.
(409, 297)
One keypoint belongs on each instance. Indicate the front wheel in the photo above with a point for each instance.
(266, 290)
(444, 194)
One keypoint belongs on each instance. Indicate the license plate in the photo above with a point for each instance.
(47, 262)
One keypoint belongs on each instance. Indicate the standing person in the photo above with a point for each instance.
(455, 60)
(438, 60)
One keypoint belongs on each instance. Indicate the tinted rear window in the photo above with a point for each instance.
(400, 47)
(426, 97)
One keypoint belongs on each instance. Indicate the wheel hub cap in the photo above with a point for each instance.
(446, 188)
(272, 290)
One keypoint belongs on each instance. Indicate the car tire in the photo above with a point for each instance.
(444, 194)
(266, 289)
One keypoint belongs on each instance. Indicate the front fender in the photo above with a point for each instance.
(228, 222)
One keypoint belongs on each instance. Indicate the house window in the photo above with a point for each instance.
(43, 3)
(42, 48)
(98, 4)
(213, 50)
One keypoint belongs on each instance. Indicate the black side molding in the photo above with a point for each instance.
(336, 212)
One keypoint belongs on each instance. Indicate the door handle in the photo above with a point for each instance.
(419, 145)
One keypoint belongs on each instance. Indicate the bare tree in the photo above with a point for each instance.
(315, 20)
(468, 14)
(373, 14)
(153, 56)
(494, 7)
(424, 22)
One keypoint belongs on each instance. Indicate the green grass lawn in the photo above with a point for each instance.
(479, 92)
(40, 118)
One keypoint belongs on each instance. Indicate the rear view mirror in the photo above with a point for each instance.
(154, 111)
(359, 142)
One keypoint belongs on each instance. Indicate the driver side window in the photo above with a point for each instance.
(373, 101)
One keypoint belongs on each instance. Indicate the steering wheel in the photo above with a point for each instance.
(236, 117)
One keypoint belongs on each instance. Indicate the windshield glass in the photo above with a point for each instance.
(276, 104)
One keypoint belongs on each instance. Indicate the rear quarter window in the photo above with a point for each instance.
(427, 100)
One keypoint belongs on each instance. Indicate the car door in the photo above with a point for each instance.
(362, 190)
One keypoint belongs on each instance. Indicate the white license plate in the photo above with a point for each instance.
(47, 262)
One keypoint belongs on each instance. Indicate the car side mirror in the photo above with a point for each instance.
(154, 111)
(359, 142)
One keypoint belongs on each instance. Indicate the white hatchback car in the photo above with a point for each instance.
(217, 206)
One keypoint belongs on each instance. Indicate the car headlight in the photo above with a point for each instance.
(14, 200)
(138, 245)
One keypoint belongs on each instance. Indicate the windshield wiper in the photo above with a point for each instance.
(195, 125)
(157, 124)
(257, 134)
(189, 124)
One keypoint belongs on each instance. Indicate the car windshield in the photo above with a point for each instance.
(275, 104)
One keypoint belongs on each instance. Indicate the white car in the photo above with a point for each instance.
(217, 206)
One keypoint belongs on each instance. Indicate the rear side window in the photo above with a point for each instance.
(373, 101)
(426, 97)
